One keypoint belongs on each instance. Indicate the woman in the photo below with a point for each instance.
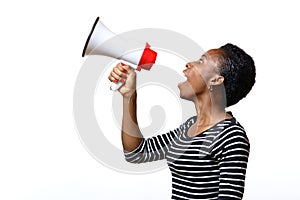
(208, 154)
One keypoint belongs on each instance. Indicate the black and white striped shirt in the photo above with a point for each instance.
(211, 165)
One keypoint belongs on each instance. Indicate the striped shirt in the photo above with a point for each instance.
(211, 165)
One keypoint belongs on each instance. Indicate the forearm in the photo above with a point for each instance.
(131, 134)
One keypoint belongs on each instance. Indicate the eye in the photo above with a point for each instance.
(200, 61)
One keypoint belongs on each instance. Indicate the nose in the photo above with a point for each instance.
(187, 65)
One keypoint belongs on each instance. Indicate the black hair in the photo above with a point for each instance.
(238, 70)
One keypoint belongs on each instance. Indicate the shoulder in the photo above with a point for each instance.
(231, 141)
(231, 133)
(232, 128)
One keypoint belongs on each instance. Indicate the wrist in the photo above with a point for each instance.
(130, 94)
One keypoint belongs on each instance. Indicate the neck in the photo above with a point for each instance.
(209, 110)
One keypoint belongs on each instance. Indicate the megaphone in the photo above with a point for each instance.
(102, 41)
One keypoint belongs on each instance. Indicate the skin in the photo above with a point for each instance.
(201, 75)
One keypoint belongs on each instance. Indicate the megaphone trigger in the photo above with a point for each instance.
(115, 86)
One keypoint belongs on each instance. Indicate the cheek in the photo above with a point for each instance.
(197, 82)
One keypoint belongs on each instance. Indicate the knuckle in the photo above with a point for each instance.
(121, 68)
(115, 69)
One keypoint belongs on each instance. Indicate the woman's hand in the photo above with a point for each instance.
(124, 73)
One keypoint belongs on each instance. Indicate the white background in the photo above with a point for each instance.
(41, 154)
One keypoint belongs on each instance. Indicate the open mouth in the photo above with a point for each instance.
(184, 80)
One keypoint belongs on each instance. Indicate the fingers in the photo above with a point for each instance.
(119, 73)
(125, 67)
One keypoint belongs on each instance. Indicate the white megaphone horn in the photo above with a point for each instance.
(101, 41)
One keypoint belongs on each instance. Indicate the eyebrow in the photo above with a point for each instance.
(203, 56)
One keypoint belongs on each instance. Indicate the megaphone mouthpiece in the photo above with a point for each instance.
(148, 58)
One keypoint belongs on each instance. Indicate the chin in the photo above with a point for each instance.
(185, 95)
(186, 92)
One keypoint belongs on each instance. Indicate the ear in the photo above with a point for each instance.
(216, 80)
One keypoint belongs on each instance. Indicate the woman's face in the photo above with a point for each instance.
(199, 74)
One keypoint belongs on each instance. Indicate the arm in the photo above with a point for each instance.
(131, 134)
(232, 153)
(137, 149)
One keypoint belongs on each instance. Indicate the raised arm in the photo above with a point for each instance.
(138, 149)
(131, 134)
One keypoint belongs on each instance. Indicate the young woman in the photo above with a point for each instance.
(208, 154)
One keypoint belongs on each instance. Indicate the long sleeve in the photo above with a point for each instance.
(232, 151)
(152, 149)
